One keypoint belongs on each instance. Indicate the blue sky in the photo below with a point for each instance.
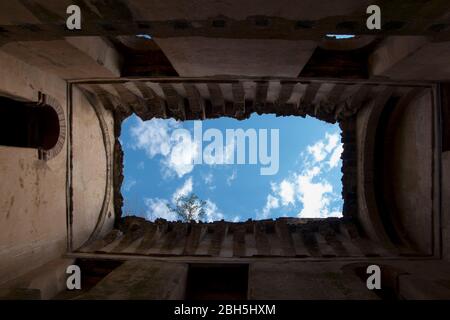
(307, 184)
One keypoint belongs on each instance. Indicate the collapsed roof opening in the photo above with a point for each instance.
(268, 166)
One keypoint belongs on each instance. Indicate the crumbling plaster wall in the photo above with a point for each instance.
(411, 58)
(90, 159)
(33, 196)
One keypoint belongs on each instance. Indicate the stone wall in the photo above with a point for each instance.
(271, 279)
(33, 192)
(92, 145)
(408, 169)
(401, 279)
(395, 170)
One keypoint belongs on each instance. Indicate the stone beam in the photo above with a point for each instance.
(351, 105)
(156, 106)
(238, 100)
(306, 103)
(216, 98)
(175, 102)
(231, 56)
(132, 98)
(325, 109)
(411, 58)
(196, 101)
(77, 57)
(109, 101)
(260, 95)
(285, 93)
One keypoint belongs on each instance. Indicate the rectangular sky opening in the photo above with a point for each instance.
(264, 167)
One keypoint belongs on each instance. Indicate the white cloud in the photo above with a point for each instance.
(236, 219)
(141, 165)
(333, 140)
(317, 150)
(129, 184)
(181, 157)
(232, 177)
(183, 191)
(322, 148)
(315, 196)
(157, 208)
(271, 203)
(286, 192)
(335, 156)
(166, 138)
(335, 213)
(212, 212)
(208, 178)
(215, 153)
(309, 186)
(229, 152)
(153, 136)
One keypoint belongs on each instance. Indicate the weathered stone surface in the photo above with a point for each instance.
(142, 280)
(304, 281)
(327, 100)
(20, 294)
(292, 237)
